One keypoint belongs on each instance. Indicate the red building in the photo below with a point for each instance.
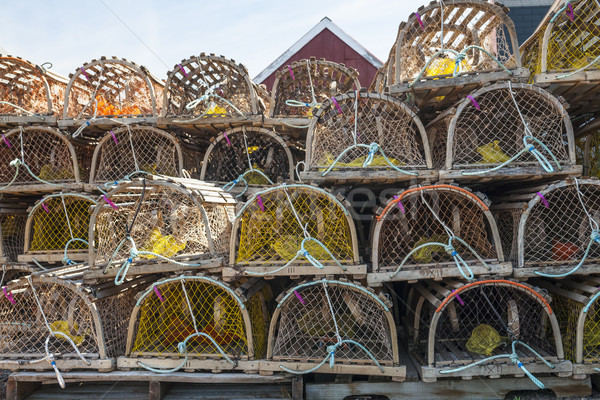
(325, 40)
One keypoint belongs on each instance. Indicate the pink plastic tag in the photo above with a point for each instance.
(6, 142)
(570, 13)
(114, 137)
(462, 303)
(419, 19)
(260, 203)
(299, 297)
(227, 138)
(337, 105)
(291, 72)
(84, 73)
(400, 205)
(543, 199)
(475, 103)
(8, 295)
(45, 207)
(158, 294)
(183, 70)
(110, 203)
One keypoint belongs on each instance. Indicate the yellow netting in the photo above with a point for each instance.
(51, 223)
(163, 324)
(483, 340)
(567, 312)
(259, 319)
(275, 235)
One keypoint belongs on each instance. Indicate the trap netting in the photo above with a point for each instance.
(24, 89)
(367, 130)
(59, 224)
(110, 88)
(587, 151)
(197, 317)
(445, 39)
(153, 219)
(503, 125)
(37, 154)
(306, 84)
(566, 41)
(249, 156)
(136, 148)
(461, 326)
(335, 321)
(433, 226)
(52, 318)
(13, 218)
(207, 86)
(294, 225)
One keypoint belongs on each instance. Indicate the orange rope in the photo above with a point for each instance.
(457, 291)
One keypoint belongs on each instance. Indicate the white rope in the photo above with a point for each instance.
(67, 216)
(593, 224)
(337, 330)
(187, 300)
(137, 168)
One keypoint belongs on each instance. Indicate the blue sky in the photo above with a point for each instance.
(69, 33)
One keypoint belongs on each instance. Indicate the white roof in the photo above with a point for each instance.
(325, 23)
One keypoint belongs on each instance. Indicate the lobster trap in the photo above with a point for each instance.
(154, 224)
(13, 218)
(362, 136)
(575, 302)
(587, 150)
(434, 232)
(304, 85)
(504, 131)
(563, 52)
(38, 159)
(198, 323)
(329, 326)
(552, 232)
(53, 319)
(485, 328)
(293, 230)
(136, 148)
(57, 229)
(443, 41)
(248, 156)
(206, 87)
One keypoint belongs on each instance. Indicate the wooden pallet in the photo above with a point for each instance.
(101, 365)
(42, 188)
(192, 365)
(397, 373)
(512, 174)
(367, 175)
(580, 90)
(357, 271)
(12, 121)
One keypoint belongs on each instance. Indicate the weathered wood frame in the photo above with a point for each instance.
(10, 211)
(39, 70)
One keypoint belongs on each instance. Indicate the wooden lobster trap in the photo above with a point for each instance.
(208, 89)
(294, 230)
(441, 42)
(28, 92)
(575, 302)
(13, 218)
(563, 52)
(552, 232)
(108, 90)
(434, 232)
(304, 85)
(136, 148)
(587, 150)
(156, 224)
(504, 131)
(57, 229)
(198, 323)
(362, 136)
(248, 156)
(55, 318)
(38, 159)
(333, 326)
(487, 328)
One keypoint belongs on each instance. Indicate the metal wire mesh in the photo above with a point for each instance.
(136, 148)
(379, 119)
(22, 85)
(494, 133)
(244, 149)
(46, 152)
(328, 79)
(405, 226)
(305, 329)
(110, 88)
(484, 322)
(12, 228)
(462, 24)
(560, 233)
(224, 85)
(271, 234)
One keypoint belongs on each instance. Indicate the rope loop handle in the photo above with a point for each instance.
(372, 148)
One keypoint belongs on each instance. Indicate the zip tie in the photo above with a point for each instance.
(475, 103)
(260, 203)
(110, 203)
(462, 303)
(419, 19)
(544, 201)
(158, 294)
(227, 138)
(570, 13)
(291, 72)
(400, 206)
(6, 141)
(299, 297)
(85, 73)
(8, 295)
(337, 105)
(45, 207)
(114, 137)
(183, 70)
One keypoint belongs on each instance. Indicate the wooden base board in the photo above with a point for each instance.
(528, 272)
(11, 121)
(476, 389)
(497, 369)
(106, 122)
(580, 90)
(366, 175)
(42, 188)
(396, 372)
(54, 256)
(580, 371)
(511, 174)
(375, 279)
(192, 365)
(105, 365)
(231, 274)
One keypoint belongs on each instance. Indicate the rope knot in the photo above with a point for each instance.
(181, 347)
(595, 236)
(450, 250)
(15, 163)
(459, 58)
